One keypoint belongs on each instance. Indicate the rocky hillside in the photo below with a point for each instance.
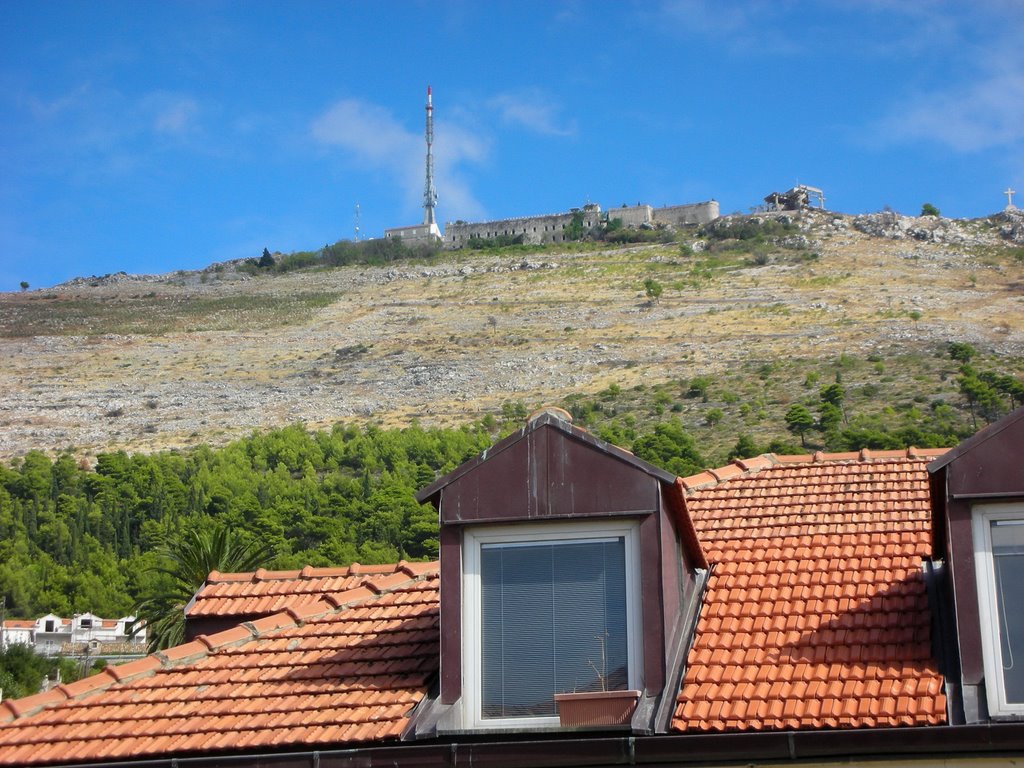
(151, 362)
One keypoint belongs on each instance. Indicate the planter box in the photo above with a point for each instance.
(579, 710)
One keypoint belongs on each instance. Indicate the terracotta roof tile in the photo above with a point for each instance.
(816, 596)
(815, 616)
(317, 674)
(267, 592)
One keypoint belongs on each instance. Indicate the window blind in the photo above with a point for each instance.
(1008, 562)
(553, 620)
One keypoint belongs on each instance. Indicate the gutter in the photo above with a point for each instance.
(573, 750)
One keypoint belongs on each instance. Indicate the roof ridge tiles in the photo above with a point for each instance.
(792, 458)
(307, 573)
(232, 636)
(183, 652)
(31, 704)
(763, 461)
(699, 480)
(727, 472)
(302, 613)
(133, 669)
(744, 467)
(420, 567)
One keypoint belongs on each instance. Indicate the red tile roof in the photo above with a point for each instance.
(815, 613)
(815, 616)
(265, 592)
(349, 668)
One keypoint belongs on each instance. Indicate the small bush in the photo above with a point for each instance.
(653, 289)
(490, 243)
(699, 387)
(753, 230)
(961, 351)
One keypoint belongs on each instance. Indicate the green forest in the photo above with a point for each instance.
(76, 537)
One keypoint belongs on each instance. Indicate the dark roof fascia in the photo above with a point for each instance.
(982, 435)
(574, 749)
(544, 420)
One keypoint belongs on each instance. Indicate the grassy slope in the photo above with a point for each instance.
(193, 358)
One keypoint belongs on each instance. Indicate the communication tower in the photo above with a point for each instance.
(428, 232)
(429, 192)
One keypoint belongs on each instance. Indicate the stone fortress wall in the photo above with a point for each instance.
(534, 229)
(550, 228)
(415, 234)
(685, 215)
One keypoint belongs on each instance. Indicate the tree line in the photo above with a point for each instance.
(76, 538)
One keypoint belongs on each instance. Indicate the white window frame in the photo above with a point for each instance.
(554, 532)
(984, 566)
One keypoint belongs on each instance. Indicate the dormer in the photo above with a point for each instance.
(51, 624)
(978, 502)
(567, 565)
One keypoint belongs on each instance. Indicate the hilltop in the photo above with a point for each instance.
(761, 314)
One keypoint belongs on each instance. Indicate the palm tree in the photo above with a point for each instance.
(185, 564)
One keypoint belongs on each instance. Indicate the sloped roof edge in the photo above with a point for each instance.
(189, 653)
(687, 530)
(984, 434)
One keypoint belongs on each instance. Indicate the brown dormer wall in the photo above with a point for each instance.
(550, 470)
(988, 467)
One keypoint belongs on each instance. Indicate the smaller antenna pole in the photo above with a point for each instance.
(357, 222)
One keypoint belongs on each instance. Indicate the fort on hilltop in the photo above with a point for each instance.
(535, 230)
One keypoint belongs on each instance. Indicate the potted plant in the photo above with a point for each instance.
(600, 707)
(592, 708)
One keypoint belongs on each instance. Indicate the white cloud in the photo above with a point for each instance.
(45, 110)
(532, 109)
(454, 147)
(983, 108)
(376, 139)
(93, 132)
(981, 115)
(367, 130)
(175, 115)
(750, 27)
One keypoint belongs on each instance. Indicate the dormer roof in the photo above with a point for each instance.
(524, 445)
(985, 438)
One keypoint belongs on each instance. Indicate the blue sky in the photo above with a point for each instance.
(154, 136)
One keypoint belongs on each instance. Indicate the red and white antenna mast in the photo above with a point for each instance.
(429, 193)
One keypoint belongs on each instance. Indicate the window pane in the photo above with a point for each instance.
(553, 619)
(1008, 557)
(516, 611)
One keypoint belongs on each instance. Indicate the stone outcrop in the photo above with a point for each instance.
(928, 229)
(1011, 224)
